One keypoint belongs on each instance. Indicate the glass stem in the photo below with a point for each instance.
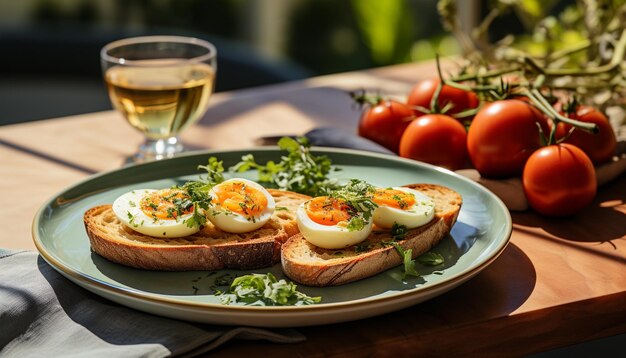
(156, 149)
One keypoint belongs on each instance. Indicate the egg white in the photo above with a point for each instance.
(127, 208)
(233, 222)
(329, 236)
(420, 213)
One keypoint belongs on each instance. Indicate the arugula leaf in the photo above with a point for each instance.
(265, 289)
(298, 171)
(409, 263)
(431, 259)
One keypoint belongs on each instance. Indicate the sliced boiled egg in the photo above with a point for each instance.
(402, 206)
(158, 213)
(240, 205)
(325, 222)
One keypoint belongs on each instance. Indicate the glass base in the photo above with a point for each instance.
(158, 149)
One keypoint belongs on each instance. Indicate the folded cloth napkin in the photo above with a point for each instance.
(42, 314)
(334, 137)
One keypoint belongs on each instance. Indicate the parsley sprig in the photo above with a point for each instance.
(198, 191)
(298, 171)
(358, 195)
(407, 259)
(399, 232)
(265, 289)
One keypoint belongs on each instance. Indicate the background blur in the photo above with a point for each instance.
(49, 49)
(49, 63)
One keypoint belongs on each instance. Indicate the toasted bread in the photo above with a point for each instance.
(313, 266)
(208, 249)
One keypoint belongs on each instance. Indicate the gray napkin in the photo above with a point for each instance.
(42, 314)
(338, 138)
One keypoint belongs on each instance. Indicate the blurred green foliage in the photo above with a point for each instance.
(325, 36)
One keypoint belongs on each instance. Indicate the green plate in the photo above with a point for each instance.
(479, 236)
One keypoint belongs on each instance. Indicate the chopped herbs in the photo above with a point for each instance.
(398, 232)
(362, 247)
(401, 202)
(131, 219)
(298, 171)
(198, 191)
(357, 194)
(265, 289)
(281, 208)
(356, 223)
(224, 279)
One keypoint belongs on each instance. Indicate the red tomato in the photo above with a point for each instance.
(472, 100)
(436, 139)
(559, 180)
(502, 136)
(385, 122)
(422, 93)
(599, 147)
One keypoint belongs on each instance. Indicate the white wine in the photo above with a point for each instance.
(161, 98)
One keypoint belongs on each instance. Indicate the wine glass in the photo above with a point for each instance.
(161, 85)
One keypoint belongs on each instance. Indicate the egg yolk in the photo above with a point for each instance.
(240, 198)
(166, 204)
(328, 211)
(394, 198)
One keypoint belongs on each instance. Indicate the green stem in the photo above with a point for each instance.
(483, 27)
(547, 108)
(471, 88)
(434, 101)
(616, 61)
(533, 63)
(488, 74)
(556, 55)
(592, 86)
(538, 82)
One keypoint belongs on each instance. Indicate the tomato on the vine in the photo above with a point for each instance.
(385, 122)
(422, 93)
(599, 147)
(502, 135)
(559, 180)
(436, 139)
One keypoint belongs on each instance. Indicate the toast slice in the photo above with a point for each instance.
(313, 266)
(208, 249)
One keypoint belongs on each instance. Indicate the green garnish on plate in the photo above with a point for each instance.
(265, 290)
(298, 171)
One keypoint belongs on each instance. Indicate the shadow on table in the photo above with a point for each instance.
(602, 212)
(504, 286)
(308, 101)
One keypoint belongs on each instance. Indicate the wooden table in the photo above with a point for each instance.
(559, 282)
